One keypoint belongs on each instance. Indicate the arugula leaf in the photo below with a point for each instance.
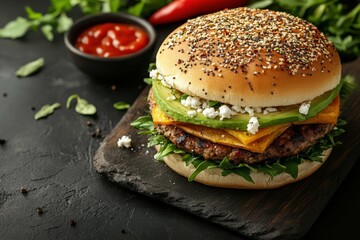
(30, 68)
(244, 172)
(292, 169)
(82, 106)
(156, 140)
(121, 105)
(143, 123)
(15, 29)
(226, 164)
(46, 110)
(272, 169)
(165, 149)
(201, 167)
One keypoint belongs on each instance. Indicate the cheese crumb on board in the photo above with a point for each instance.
(124, 141)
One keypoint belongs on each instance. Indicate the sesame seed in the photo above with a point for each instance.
(233, 38)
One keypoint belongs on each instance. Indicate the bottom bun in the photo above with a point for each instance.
(213, 177)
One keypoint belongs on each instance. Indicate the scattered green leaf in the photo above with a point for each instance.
(15, 29)
(82, 106)
(121, 105)
(30, 68)
(46, 110)
(69, 100)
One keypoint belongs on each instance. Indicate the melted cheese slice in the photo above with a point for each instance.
(235, 138)
(159, 117)
(246, 137)
(222, 137)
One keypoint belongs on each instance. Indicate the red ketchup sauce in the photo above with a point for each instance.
(112, 40)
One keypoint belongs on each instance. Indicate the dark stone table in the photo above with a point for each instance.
(49, 188)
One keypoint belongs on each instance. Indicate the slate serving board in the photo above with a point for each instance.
(286, 212)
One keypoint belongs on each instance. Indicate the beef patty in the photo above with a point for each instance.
(291, 142)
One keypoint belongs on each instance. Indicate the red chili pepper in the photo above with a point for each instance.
(183, 9)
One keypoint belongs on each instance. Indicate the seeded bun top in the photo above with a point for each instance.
(250, 57)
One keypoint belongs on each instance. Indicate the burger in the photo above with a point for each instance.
(244, 98)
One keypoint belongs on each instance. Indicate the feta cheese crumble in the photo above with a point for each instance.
(225, 112)
(304, 108)
(191, 113)
(154, 74)
(210, 112)
(124, 141)
(253, 125)
(193, 102)
(167, 81)
(250, 111)
(171, 97)
(237, 109)
(269, 110)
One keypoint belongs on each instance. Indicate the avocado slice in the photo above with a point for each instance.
(178, 112)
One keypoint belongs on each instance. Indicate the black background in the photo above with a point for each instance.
(52, 157)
